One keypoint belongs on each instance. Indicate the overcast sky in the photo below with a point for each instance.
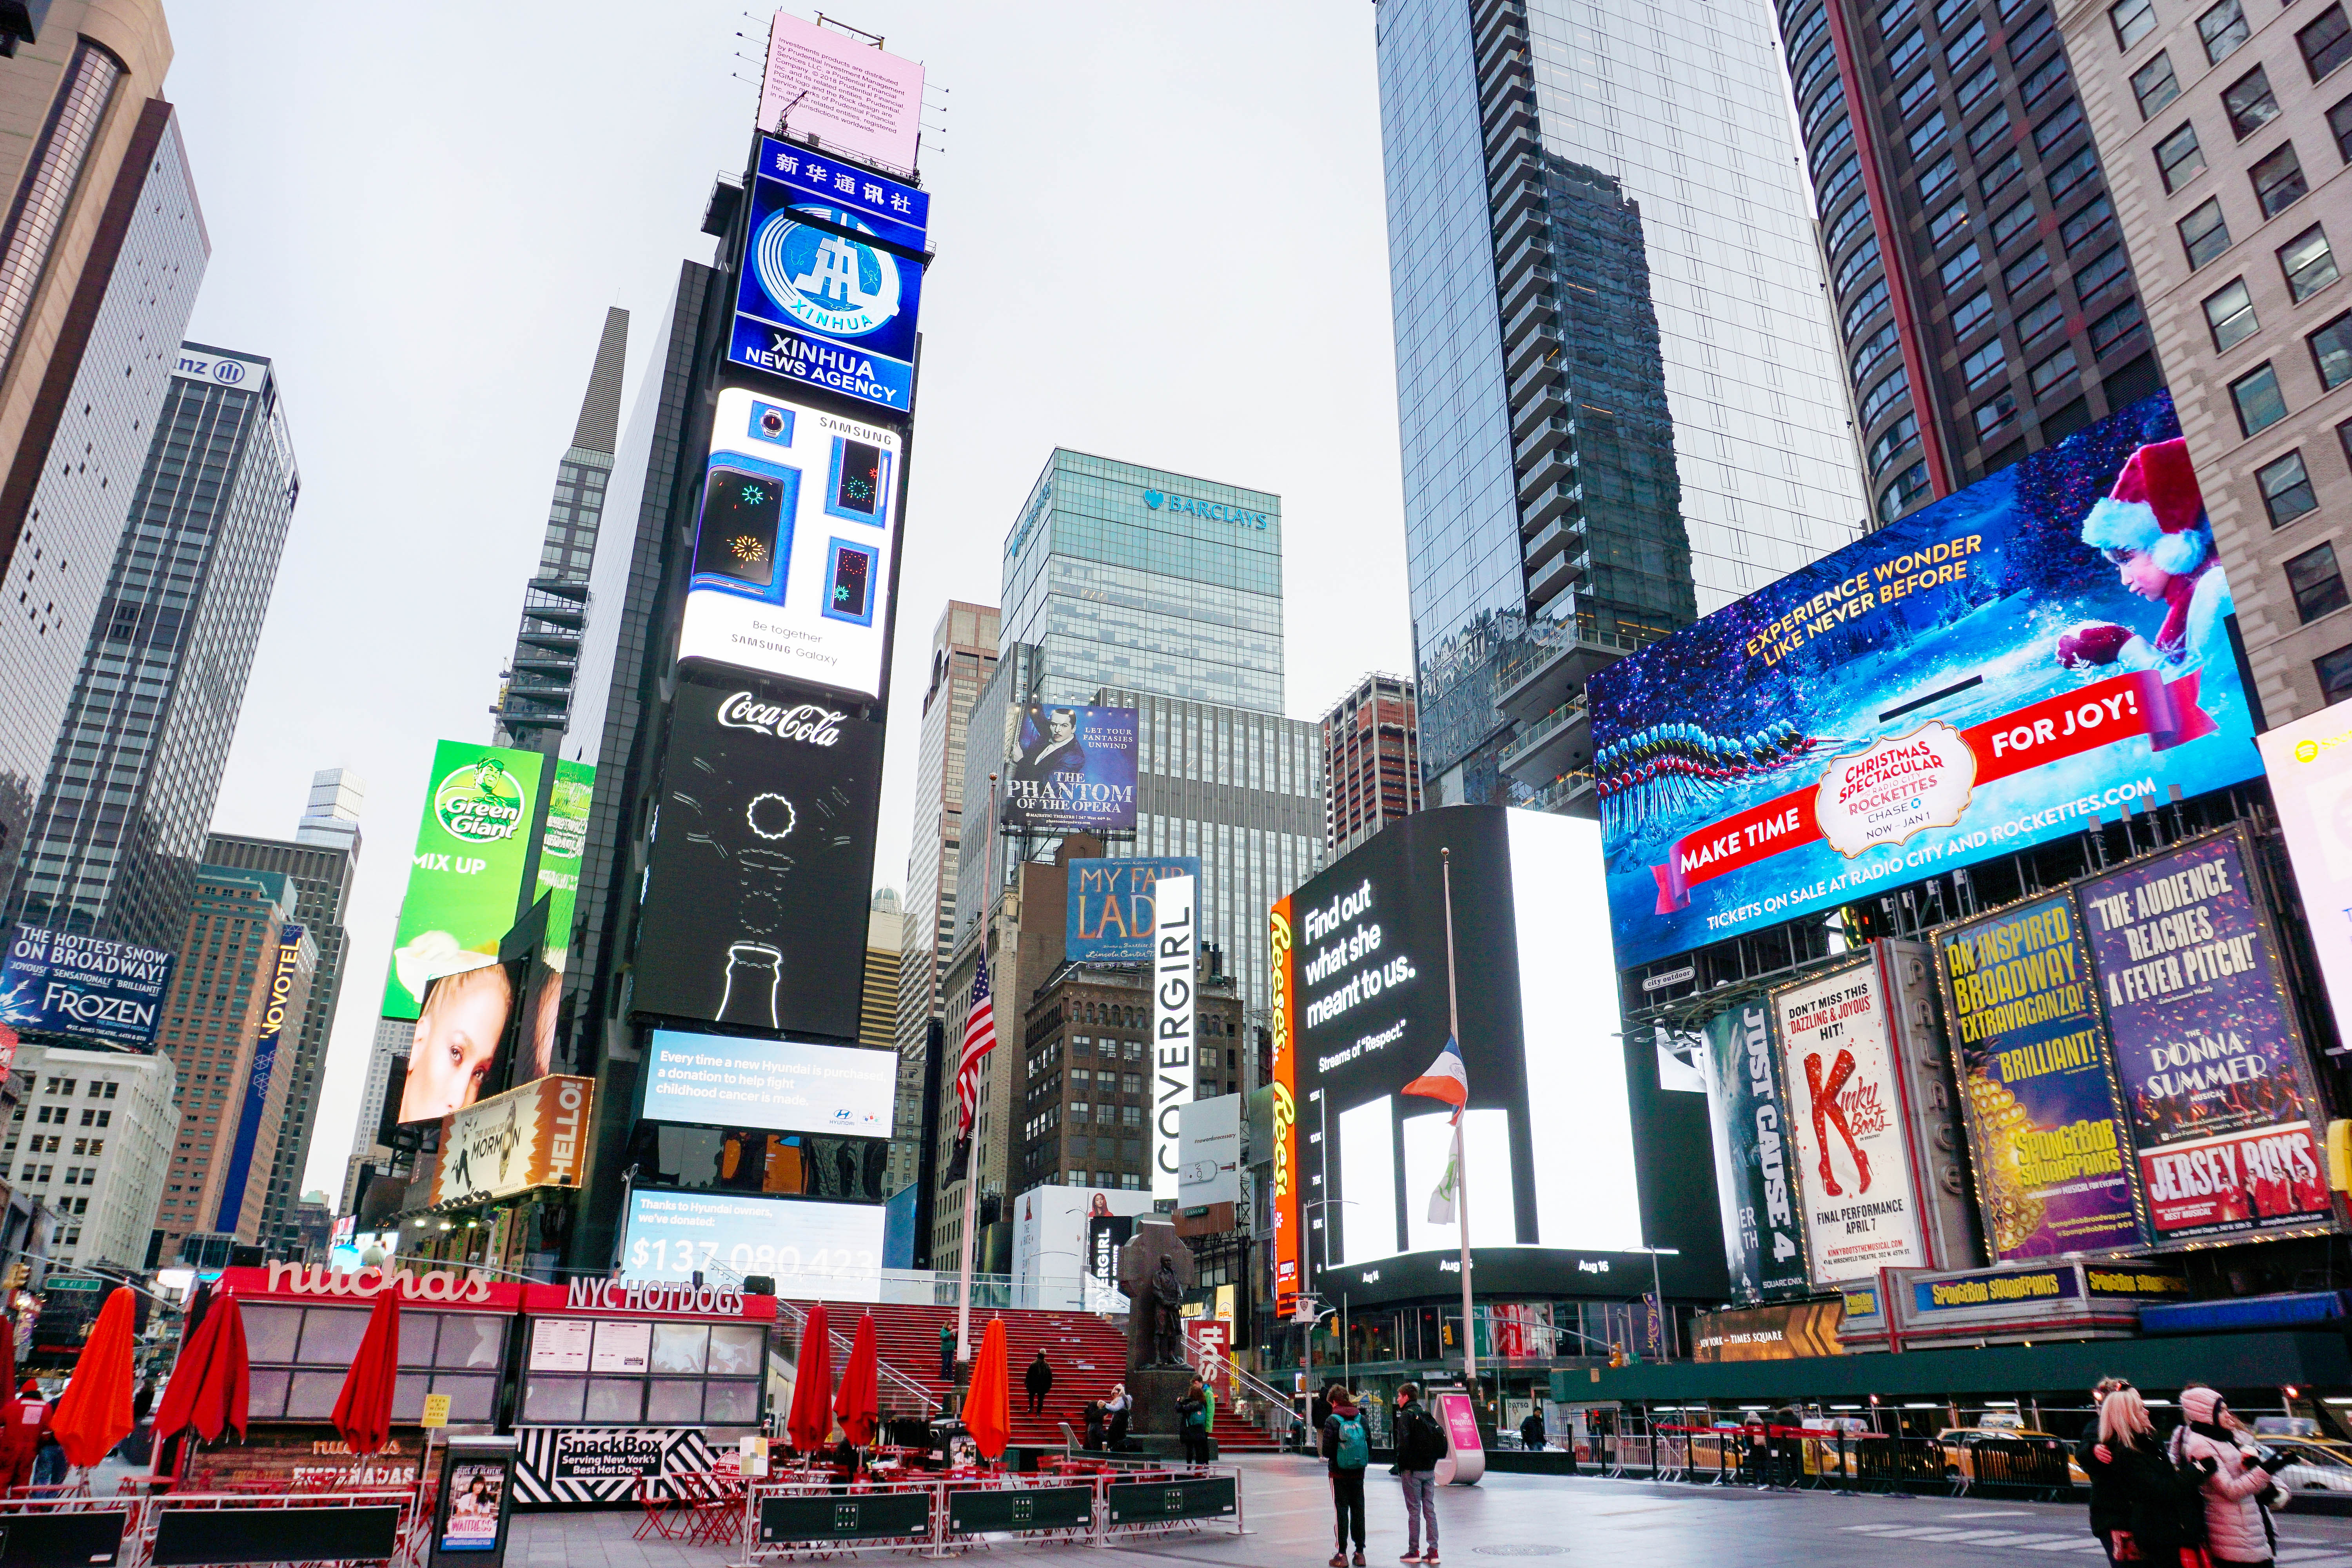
(1160, 238)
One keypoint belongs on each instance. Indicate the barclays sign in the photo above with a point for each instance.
(1213, 511)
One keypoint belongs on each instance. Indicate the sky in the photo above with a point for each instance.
(1161, 236)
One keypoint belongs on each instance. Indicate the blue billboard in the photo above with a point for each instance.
(82, 988)
(832, 276)
(1110, 915)
(1996, 670)
(286, 970)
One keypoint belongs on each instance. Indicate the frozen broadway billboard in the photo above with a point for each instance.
(1987, 674)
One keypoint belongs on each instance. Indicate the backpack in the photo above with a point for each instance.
(1355, 1451)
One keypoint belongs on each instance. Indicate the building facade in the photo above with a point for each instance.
(878, 1003)
(119, 827)
(90, 1138)
(1372, 762)
(2225, 129)
(387, 1050)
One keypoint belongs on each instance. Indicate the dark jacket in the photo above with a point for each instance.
(2111, 1499)
(1039, 1378)
(1531, 1433)
(1420, 1441)
(2140, 1490)
(1331, 1446)
(1192, 1410)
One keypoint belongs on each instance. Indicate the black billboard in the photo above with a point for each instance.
(762, 860)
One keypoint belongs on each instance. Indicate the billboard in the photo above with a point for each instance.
(1763, 1237)
(794, 545)
(813, 1249)
(284, 974)
(754, 908)
(1991, 672)
(465, 878)
(1282, 1068)
(831, 277)
(2310, 766)
(54, 982)
(2051, 1156)
(842, 93)
(1175, 1019)
(1861, 1213)
(1073, 770)
(1769, 1333)
(781, 1086)
(2226, 1118)
(528, 1137)
(1209, 1152)
(1109, 913)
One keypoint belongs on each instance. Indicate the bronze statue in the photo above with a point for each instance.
(1167, 1328)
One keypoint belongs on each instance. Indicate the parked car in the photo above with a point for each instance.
(2319, 1464)
(1960, 1444)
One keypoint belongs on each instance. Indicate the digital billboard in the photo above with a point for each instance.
(1991, 672)
(2226, 1118)
(1109, 913)
(813, 1249)
(465, 877)
(1209, 1152)
(1175, 1022)
(794, 545)
(1769, 1333)
(530, 1136)
(54, 982)
(843, 92)
(781, 1086)
(1755, 1166)
(1073, 770)
(2310, 766)
(754, 906)
(831, 277)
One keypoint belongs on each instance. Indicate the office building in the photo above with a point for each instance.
(878, 1003)
(2225, 131)
(320, 864)
(90, 1138)
(387, 1053)
(1985, 299)
(119, 827)
(1372, 762)
(1618, 399)
(534, 705)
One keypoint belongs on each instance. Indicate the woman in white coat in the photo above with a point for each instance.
(2235, 1530)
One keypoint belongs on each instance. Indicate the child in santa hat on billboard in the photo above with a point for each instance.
(2152, 525)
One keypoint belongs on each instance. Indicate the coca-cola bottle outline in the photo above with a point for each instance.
(747, 955)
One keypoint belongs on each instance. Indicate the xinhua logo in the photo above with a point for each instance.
(823, 279)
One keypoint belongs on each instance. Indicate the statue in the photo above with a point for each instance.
(1155, 1269)
(1167, 1332)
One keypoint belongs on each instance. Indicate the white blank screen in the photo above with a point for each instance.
(1494, 1213)
(1367, 1219)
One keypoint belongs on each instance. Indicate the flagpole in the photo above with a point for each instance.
(972, 1140)
(1461, 1164)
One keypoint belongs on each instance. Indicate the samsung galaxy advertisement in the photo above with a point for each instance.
(1073, 770)
(794, 544)
(1991, 672)
(2310, 765)
(781, 1085)
(824, 1251)
(754, 910)
(79, 987)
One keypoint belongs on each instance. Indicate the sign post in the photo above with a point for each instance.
(469, 1521)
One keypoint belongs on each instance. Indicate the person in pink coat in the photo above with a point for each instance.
(2235, 1478)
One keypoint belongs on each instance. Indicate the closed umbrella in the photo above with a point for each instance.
(810, 1420)
(94, 1414)
(363, 1409)
(988, 1407)
(209, 1388)
(859, 1402)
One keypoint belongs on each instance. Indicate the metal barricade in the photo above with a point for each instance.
(124, 1531)
(933, 1518)
(1897, 1464)
(2017, 1464)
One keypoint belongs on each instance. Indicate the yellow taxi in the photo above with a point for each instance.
(1960, 1445)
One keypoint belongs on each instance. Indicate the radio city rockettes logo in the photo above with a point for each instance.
(824, 280)
(1895, 788)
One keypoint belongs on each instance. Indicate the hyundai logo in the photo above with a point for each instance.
(228, 373)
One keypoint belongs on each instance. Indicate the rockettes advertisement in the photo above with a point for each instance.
(2225, 1116)
(1846, 1127)
(2052, 1160)
(1991, 672)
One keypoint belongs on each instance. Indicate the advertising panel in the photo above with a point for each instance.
(1282, 1051)
(762, 858)
(569, 795)
(1174, 972)
(528, 1137)
(1769, 1333)
(1060, 1233)
(465, 880)
(2053, 1161)
(795, 544)
(784, 1086)
(1763, 1239)
(284, 974)
(2310, 766)
(831, 277)
(1108, 917)
(1991, 672)
(812, 1250)
(841, 91)
(1209, 1152)
(1073, 770)
(2225, 1116)
(56, 983)
(1861, 1213)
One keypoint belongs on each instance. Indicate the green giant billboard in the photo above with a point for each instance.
(473, 845)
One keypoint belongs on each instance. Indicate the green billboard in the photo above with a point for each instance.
(465, 881)
(560, 849)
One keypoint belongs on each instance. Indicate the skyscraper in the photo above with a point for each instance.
(534, 703)
(1616, 396)
(1372, 762)
(119, 827)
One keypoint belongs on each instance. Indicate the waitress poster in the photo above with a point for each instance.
(2046, 1132)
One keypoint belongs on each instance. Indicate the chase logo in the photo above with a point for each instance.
(1214, 512)
(827, 282)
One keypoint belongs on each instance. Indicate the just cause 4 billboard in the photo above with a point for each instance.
(1988, 673)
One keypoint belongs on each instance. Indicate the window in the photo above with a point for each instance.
(1928, 133)
(2013, 223)
(2053, 131)
(2052, 373)
(2318, 585)
(2223, 28)
(2286, 489)
(1899, 436)
(2249, 103)
(2259, 403)
(1971, 40)
(1847, 222)
(2031, 36)
(1948, 223)
(2025, 269)
(2103, 270)
(1907, 488)
(2039, 319)
(1949, 12)
(1899, 57)
(2178, 158)
(1985, 364)
(2088, 222)
(1971, 91)
(2334, 672)
(1972, 314)
(1844, 178)
(2278, 179)
(1963, 265)
(2080, 165)
(2308, 263)
(2002, 173)
(2132, 20)
(1918, 92)
(1880, 398)
(2339, 125)
(2112, 327)
(2203, 235)
(1872, 298)
(2327, 43)
(1863, 258)
(1868, 356)
(2230, 315)
(1894, 16)
(2047, 75)
(2331, 351)
(2153, 84)
(1989, 131)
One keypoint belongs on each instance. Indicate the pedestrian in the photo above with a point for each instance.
(1039, 1381)
(2236, 1477)
(947, 1352)
(1347, 1450)
(1531, 1431)
(1092, 1415)
(22, 1421)
(1120, 1409)
(2137, 1496)
(1419, 1444)
(1192, 1424)
(49, 1459)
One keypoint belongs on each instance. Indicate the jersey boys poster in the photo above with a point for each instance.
(1987, 673)
(1846, 1127)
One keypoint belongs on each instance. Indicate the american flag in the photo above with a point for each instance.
(978, 1039)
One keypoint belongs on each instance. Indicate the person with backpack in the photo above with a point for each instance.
(2236, 1478)
(1419, 1444)
(1348, 1451)
(1192, 1424)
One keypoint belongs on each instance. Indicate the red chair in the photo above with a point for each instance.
(659, 1508)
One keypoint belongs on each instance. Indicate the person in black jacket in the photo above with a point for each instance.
(1192, 1423)
(1094, 1418)
(1419, 1444)
(1531, 1431)
(1039, 1381)
(2141, 1504)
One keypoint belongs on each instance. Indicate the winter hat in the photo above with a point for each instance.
(2199, 1404)
(2155, 507)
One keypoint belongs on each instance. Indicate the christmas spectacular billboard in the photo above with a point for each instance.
(1991, 672)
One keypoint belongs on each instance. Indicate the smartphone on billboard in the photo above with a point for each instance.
(860, 481)
(745, 533)
(849, 582)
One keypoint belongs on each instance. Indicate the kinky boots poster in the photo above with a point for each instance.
(1845, 1127)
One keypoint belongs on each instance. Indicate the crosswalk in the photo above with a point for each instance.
(2078, 1542)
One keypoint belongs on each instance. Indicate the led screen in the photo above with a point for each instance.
(2310, 766)
(831, 1251)
(465, 878)
(781, 1085)
(1073, 770)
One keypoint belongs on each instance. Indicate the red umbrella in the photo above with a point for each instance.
(810, 1420)
(860, 1403)
(988, 1407)
(209, 1386)
(94, 1412)
(363, 1409)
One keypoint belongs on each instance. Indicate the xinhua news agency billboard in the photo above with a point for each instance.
(1988, 673)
